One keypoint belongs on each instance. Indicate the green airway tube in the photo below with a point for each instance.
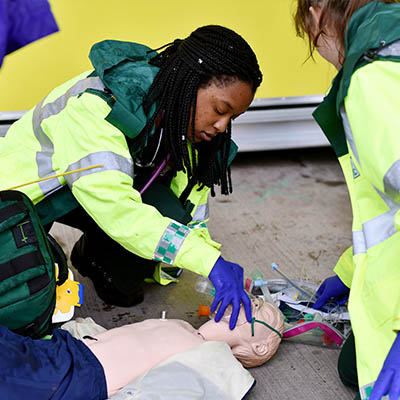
(264, 323)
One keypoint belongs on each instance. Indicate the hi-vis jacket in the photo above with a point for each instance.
(76, 127)
(361, 118)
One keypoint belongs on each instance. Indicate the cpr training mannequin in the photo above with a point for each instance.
(360, 117)
(124, 353)
(151, 341)
(139, 115)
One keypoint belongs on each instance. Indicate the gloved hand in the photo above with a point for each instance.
(388, 381)
(332, 287)
(227, 279)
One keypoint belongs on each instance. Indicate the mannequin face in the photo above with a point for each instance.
(250, 350)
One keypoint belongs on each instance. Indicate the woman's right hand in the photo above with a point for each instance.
(332, 288)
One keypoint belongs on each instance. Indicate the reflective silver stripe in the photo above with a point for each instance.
(170, 242)
(3, 130)
(377, 229)
(44, 157)
(201, 213)
(359, 245)
(388, 201)
(391, 181)
(392, 49)
(110, 161)
(348, 132)
(374, 232)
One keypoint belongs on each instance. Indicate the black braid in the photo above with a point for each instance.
(210, 52)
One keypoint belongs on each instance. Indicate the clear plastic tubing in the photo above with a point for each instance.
(267, 295)
(274, 266)
(204, 285)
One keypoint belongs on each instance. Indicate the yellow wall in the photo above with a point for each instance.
(30, 73)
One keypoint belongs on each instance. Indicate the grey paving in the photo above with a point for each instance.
(288, 207)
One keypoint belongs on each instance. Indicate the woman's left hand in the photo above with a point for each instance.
(388, 382)
(227, 279)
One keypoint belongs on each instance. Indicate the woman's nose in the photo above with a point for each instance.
(221, 124)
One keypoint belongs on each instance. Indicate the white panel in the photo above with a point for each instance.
(269, 124)
(277, 129)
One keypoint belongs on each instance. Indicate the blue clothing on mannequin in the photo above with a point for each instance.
(60, 368)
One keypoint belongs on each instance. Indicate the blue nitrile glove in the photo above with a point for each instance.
(227, 279)
(332, 287)
(388, 381)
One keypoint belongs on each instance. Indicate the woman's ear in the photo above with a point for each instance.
(315, 15)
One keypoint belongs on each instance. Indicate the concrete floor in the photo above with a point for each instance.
(288, 207)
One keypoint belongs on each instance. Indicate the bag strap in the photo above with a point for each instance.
(34, 327)
(20, 264)
(60, 258)
(12, 209)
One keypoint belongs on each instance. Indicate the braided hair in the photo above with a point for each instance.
(210, 53)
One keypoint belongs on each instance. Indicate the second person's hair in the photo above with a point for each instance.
(335, 12)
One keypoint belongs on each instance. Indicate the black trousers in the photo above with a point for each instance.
(124, 267)
(347, 366)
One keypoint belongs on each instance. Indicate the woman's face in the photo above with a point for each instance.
(217, 104)
(327, 45)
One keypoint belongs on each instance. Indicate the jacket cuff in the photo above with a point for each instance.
(344, 268)
(197, 256)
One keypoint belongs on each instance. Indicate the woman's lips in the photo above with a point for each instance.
(205, 136)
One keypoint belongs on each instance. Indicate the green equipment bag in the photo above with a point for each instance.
(27, 267)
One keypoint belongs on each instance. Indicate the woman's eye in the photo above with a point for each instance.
(218, 111)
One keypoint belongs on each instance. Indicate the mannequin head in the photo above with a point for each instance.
(254, 343)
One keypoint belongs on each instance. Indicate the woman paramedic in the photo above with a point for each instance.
(360, 117)
(142, 138)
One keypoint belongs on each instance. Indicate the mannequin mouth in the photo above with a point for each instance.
(201, 335)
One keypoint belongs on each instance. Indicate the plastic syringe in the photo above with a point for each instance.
(257, 281)
(274, 266)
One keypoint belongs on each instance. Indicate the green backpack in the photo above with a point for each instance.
(27, 267)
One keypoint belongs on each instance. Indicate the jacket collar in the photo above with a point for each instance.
(372, 26)
(369, 28)
(124, 69)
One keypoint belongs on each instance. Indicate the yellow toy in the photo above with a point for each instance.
(68, 295)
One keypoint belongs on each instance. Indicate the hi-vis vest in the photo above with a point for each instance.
(68, 131)
(371, 165)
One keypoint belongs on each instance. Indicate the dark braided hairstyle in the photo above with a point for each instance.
(210, 53)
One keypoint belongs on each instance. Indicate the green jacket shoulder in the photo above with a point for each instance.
(124, 69)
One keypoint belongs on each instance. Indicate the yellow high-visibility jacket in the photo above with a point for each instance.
(360, 116)
(74, 127)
